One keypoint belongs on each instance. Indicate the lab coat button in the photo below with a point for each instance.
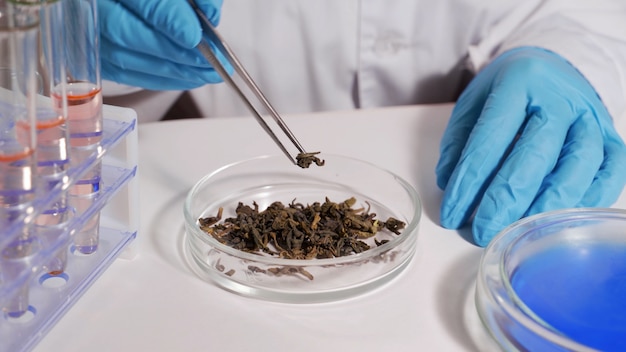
(387, 44)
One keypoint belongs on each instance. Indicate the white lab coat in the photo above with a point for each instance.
(312, 55)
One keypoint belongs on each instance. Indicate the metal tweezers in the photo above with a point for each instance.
(221, 45)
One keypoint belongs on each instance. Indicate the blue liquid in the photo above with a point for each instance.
(579, 291)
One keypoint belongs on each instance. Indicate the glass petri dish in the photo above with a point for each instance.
(556, 281)
(269, 179)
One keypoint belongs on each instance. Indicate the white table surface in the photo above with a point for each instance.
(153, 302)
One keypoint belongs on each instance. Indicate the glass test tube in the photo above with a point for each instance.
(52, 134)
(19, 27)
(84, 112)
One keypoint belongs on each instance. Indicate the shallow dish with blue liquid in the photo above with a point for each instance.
(557, 282)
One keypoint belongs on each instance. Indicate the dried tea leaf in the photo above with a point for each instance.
(304, 160)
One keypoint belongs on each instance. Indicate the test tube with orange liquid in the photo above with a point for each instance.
(52, 133)
(19, 26)
(84, 113)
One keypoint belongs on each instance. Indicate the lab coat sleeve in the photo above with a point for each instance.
(589, 34)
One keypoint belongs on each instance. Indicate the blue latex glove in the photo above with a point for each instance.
(529, 134)
(151, 43)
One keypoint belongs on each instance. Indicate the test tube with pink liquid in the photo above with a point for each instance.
(19, 28)
(52, 133)
(84, 114)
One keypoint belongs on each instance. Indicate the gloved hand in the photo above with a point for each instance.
(151, 43)
(529, 134)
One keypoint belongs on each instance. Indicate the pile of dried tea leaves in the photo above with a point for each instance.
(298, 231)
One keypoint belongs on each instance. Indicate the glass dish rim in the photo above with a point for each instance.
(510, 303)
(410, 229)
